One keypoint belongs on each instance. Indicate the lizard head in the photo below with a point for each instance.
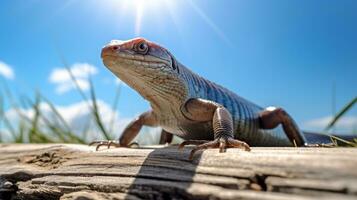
(145, 66)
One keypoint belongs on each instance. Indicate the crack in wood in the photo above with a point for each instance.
(70, 172)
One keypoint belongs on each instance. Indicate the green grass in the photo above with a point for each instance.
(38, 128)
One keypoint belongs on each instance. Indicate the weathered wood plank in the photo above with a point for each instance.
(56, 171)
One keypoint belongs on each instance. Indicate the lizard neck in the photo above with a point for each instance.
(162, 89)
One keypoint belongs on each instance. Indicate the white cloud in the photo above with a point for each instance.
(6, 71)
(348, 123)
(78, 116)
(66, 86)
(81, 71)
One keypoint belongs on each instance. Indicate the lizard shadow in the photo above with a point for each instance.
(166, 173)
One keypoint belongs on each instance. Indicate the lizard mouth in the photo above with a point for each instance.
(136, 61)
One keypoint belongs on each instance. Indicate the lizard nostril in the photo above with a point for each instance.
(115, 48)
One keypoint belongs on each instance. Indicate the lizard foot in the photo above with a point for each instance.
(110, 143)
(222, 143)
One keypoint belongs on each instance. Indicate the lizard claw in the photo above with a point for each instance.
(110, 143)
(222, 143)
(190, 142)
(238, 144)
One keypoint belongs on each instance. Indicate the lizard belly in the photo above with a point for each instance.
(197, 131)
(190, 131)
(187, 129)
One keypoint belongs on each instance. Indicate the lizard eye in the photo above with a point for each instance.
(142, 47)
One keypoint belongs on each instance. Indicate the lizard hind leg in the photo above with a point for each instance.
(271, 117)
(166, 137)
(204, 110)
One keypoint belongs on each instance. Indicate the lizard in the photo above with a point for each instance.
(191, 107)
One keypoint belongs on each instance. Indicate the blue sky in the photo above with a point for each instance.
(284, 53)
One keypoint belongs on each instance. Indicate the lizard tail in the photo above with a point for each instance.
(321, 138)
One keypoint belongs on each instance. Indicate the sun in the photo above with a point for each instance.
(139, 8)
(151, 11)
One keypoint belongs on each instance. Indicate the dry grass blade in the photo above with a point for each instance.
(74, 79)
(35, 133)
(352, 143)
(4, 119)
(95, 112)
(55, 111)
(20, 137)
(94, 106)
(342, 112)
(85, 130)
(73, 137)
(114, 107)
(66, 136)
(57, 128)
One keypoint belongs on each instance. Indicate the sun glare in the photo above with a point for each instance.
(139, 5)
(142, 11)
(136, 8)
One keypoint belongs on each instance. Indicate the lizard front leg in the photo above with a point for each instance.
(203, 110)
(130, 132)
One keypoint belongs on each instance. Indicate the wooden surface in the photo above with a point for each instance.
(56, 171)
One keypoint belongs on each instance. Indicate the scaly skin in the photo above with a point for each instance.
(191, 107)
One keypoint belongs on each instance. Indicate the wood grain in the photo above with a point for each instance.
(59, 171)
